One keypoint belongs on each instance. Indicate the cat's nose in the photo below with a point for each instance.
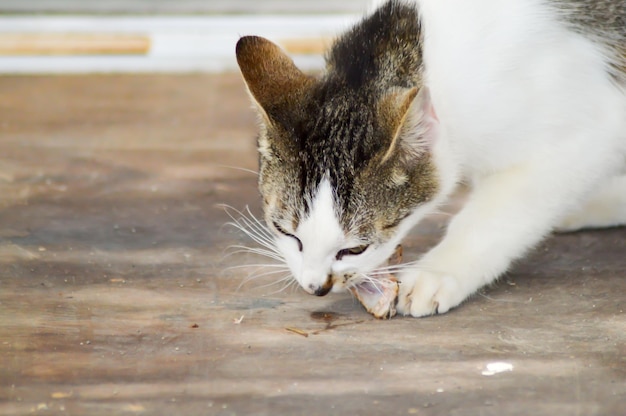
(322, 290)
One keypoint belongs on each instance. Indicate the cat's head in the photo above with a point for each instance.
(344, 172)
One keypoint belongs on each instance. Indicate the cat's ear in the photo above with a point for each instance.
(410, 120)
(273, 80)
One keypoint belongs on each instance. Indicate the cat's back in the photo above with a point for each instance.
(507, 30)
(600, 17)
(601, 21)
(504, 73)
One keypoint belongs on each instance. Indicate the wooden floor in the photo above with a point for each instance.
(116, 296)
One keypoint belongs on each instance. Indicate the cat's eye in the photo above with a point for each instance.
(353, 251)
(283, 232)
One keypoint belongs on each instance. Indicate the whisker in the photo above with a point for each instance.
(393, 269)
(362, 277)
(258, 265)
(250, 226)
(253, 277)
(254, 225)
(256, 220)
(294, 285)
(255, 229)
(247, 248)
(263, 239)
(253, 250)
(276, 282)
(286, 286)
(239, 168)
(285, 276)
(249, 218)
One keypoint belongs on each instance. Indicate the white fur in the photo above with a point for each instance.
(322, 238)
(606, 208)
(529, 117)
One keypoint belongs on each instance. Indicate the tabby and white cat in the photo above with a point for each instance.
(524, 100)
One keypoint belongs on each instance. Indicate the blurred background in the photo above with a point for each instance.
(95, 36)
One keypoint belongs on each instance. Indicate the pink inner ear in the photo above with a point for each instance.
(427, 105)
(430, 120)
(430, 110)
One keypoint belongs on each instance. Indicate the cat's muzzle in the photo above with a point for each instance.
(324, 289)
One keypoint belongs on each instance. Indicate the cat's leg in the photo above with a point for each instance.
(506, 214)
(605, 208)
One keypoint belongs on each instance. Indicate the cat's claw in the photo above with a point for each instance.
(424, 294)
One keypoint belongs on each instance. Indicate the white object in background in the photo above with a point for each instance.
(177, 43)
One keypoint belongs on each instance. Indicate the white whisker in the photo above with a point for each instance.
(392, 269)
(260, 237)
(258, 265)
(240, 168)
(293, 285)
(258, 276)
(257, 231)
(256, 220)
(257, 251)
(282, 279)
(253, 228)
(285, 287)
(383, 273)
(364, 278)
(250, 278)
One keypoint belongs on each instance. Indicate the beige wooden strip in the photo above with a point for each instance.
(73, 44)
(306, 46)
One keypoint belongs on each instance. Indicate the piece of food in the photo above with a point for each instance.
(380, 295)
(378, 298)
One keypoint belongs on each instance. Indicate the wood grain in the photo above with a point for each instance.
(117, 296)
(73, 44)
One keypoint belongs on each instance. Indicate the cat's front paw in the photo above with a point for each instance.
(423, 293)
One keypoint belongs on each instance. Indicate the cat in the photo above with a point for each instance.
(522, 100)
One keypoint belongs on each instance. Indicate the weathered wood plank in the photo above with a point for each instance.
(73, 44)
(116, 296)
